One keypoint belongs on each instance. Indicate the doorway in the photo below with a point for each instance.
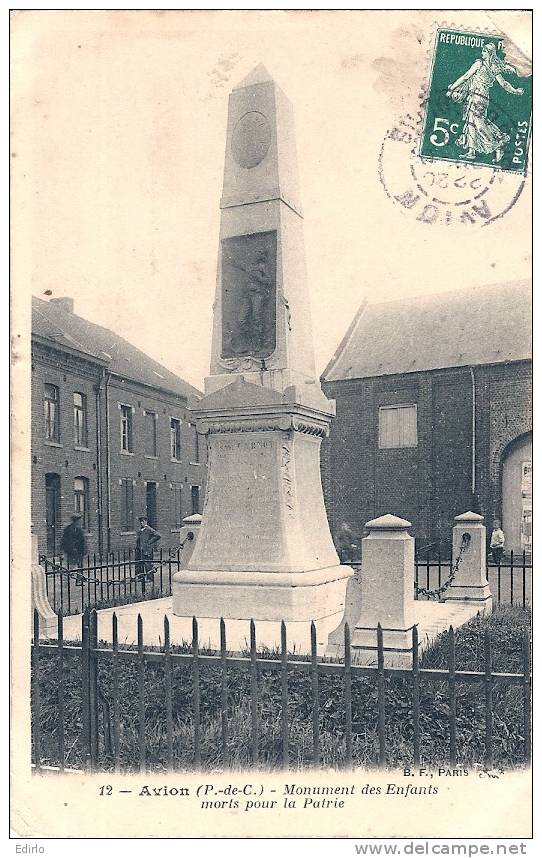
(517, 494)
(52, 513)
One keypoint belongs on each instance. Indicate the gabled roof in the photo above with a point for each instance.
(51, 322)
(469, 327)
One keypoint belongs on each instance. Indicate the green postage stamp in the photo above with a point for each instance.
(478, 108)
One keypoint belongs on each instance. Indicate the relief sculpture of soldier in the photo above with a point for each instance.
(254, 289)
(254, 295)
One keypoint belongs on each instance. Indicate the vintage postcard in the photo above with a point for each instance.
(272, 424)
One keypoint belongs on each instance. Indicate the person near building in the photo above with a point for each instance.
(346, 543)
(147, 540)
(73, 543)
(496, 545)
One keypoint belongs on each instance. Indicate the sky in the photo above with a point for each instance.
(119, 123)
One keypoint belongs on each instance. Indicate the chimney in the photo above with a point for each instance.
(65, 304)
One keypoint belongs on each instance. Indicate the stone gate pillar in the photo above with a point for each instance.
(470, 583)
(385, 596)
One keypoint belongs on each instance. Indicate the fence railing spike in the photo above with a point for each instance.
(169, 694)
(381, 697)
(36, 691)
(253, 672)
(452, 696)
(284, 697)
(526, 696)
(196, 692)
(488, 756)
(224, 693)
(347, 697)
(415, 697)
(315, 698)
(61, 682)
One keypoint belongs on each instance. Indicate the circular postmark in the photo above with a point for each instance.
(439, 191)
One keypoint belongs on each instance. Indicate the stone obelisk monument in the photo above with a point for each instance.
(264, 549)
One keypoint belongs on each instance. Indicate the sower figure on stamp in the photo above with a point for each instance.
(479, 133)
(147, 539)
(496, 545)
(73, 543)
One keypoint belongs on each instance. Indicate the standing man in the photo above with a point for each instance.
(73, 543)
(346, 543)
(497, 542)
(147, 539)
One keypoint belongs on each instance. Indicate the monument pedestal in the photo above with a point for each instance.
(264, 550)
(270, 596)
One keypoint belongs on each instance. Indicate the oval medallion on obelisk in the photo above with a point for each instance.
(251, 139)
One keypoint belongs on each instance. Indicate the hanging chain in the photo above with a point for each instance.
(80, 578)
(424, 591)
(76, 574)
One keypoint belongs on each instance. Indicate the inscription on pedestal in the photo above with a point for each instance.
(249, 295)
(239, 511)
(224, 448)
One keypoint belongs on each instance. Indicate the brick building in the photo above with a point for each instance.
(434, 414)
(111, 435)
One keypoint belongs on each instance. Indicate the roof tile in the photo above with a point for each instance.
(489, 324)
(54, 323)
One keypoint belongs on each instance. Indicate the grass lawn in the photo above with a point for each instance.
(507, 625)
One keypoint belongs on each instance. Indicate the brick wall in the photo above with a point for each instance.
(70, 373)
(510, 415)
(432, 483)
(140, 467)
(452, 451)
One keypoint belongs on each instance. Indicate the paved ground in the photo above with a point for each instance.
(433, 618)
(237, 631)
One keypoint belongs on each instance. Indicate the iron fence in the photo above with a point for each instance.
(102, 745)
(115, 578)
(108, 580)
(510, 581)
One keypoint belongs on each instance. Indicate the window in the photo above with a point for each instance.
(175, 439)
(126, 435)
(150, 504)
(80, 500)
(150, 433)
(195, 444)
(52, 421)
(195, 500)
(177, 505)
(80, 419)
(126, 505)
(397, 426)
